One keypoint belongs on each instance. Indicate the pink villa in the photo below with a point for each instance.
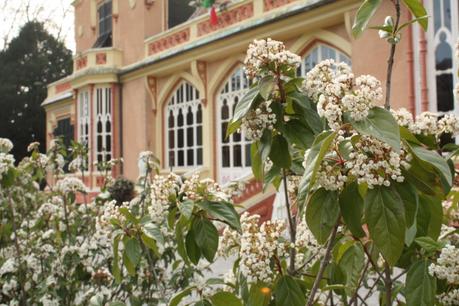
(158, 75)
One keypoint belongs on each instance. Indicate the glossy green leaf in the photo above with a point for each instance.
(192, 249)
(351, 204)
(256, 161)
(420, 286)
(380, 124)
(410, 200)
(352, 263)
(322, 213)
(280, 155)
(176, 299)
(430, 216)
(306, 109)
(417, 9)
(206, 237)
(150, 243)
(223, 298)
(288, 292)
(365, 12)
(129, 216)
(259, 295)
(242, 108)
(186, 208)
(315, 156)
(299, 134)
(222, 211)
(385, 217)
(116, 265)
(133, 250)
(433, 158)
(154, 232)
(266, 86)
(428, 244)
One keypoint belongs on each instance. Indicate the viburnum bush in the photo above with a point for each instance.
(369, 199)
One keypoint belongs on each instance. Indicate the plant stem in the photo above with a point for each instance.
(356, 292)
(291, 223)
(388, 283)
(390, 61)
(323, 264)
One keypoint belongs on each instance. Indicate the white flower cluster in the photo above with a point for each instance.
(6, 162)
(375, 163)
(257, 120)
(427, 123)
(77, 164)
(258, 246)
(163, 190)
(70, 184)
(196, 189)
(306, 240)
(5, 145)
(336, 91)
(450, 298)
(266, 54)
(33, 146)
(447, 265)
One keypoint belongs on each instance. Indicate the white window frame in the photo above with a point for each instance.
(234, 88)
(102, 110)
(184, 96)
(432, 40)
(321, 49)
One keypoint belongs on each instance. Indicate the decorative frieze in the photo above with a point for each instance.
(101, 58)
(169, 41)
(226, 19)
(272, 4)
(81, 62)
(63, 87)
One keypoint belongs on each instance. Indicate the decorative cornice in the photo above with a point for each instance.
(227, 19)
(169, 41)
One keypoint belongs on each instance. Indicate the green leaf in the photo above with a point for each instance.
(352, 263)
(351, 204)
(385, 217)
(242, 108)
(154, 232)
(116, 303)
(315, 156)
(280, 155)
(192, 249)
(206, 237)
(223, 298)
(420, 20)
(364, 14)
(259, 295)
(417, 9)
(380, 124)
(434, 159)
(186, 208)
(288, 292)
(181, 249)
(424, 177)
(176, 299)
(222, 211)
(410, 199)
(266, 86)
(299, 134)
(428, 244)
(132, 250)
(129, 216)
(306, 109)
(430, 216)
(150, 243)
(322, 212)
(420, 286)
(116, 266)
(257, 162)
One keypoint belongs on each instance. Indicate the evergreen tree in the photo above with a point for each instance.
(31, 61)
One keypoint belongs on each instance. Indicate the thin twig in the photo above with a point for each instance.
(375, 267)
(362, 276)
(390, 61)
(292, 225)
(372, 287)
(323, 264)
(388, 283)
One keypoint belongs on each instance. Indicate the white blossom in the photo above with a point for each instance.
(5, 145)
(70, 184)
(257, 120)
(447, 265)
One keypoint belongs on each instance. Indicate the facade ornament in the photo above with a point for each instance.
(199, 72)
(152, 90)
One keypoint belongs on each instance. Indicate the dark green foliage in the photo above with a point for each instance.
(122, 190)
(31, 61)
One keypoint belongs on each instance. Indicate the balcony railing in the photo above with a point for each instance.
(98, 58)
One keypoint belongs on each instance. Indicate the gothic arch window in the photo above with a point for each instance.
(442, 36)
(183, 116)
(103, 124)
(83, 120)
(233, 151)
(318, 53)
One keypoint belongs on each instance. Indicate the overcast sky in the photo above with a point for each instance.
(57, 15)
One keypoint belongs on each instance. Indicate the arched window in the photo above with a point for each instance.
(442, 36)
(319, 53)
(233, 151)
(184, 127)
(103, 124)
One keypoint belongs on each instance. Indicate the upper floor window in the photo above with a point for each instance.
(104, 14)
(319, 53)
(233, 151)
(183, 116)
(83, 120)
(103, 124)
(64, 129)
(442, 36)
(178, 12)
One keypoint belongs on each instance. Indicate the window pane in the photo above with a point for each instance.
(445, 97)
(180, 138)
(171, 159)
(181, 159)
(248, 161)
(199, 135)
(190, 157)
(237, 158)
(199, 157)
(225, 156)
(189, 137)
(223, 135)
(171, 139)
